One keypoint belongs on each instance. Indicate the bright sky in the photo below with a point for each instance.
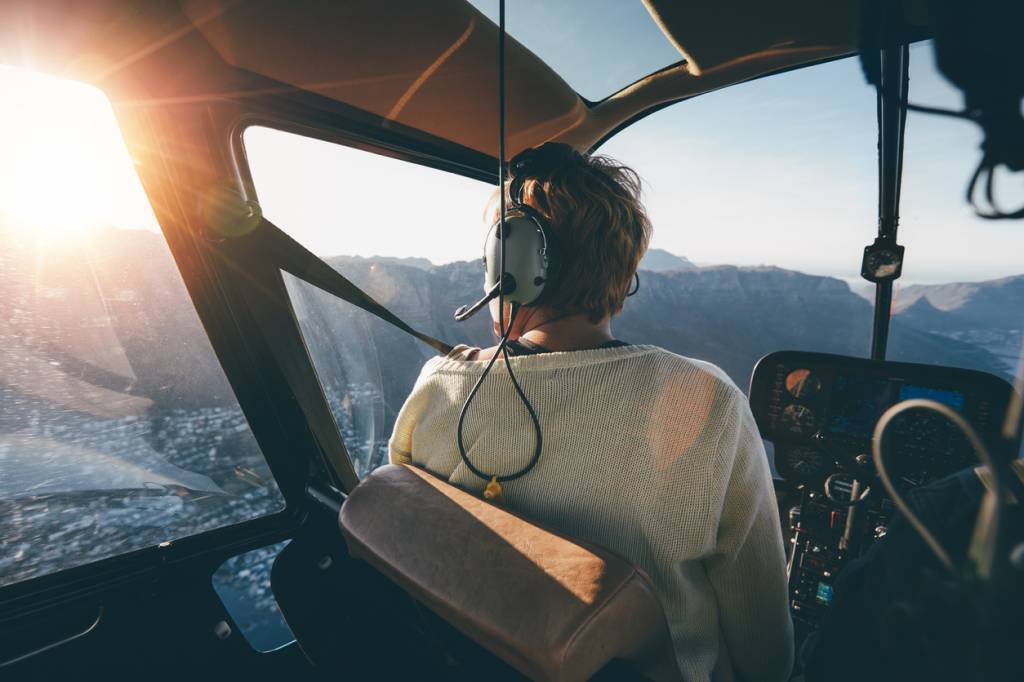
(64, 167)
(779, 171)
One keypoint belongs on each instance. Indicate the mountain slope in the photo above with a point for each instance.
(727, 315)
(986, 314)
(659, 260)
(997, 303)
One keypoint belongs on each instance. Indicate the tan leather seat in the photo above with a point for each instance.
(552, 608)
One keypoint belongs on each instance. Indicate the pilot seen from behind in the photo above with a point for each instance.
(652, 455)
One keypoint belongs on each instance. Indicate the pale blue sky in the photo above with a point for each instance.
(597, 47)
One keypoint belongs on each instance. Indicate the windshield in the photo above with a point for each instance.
(780, 175)
(763, 196)
(963, 277)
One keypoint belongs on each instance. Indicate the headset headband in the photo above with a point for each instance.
(538, 162)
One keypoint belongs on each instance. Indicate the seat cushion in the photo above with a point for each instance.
(551, 607)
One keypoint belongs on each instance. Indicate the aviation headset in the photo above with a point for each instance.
(533, 257)
(522, 262)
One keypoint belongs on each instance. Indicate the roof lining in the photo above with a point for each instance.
(429, 69)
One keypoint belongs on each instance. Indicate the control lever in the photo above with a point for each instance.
(851, 516)
(858, 494)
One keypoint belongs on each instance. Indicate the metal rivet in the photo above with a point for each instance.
(325, 563)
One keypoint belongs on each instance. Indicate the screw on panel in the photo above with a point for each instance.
(1017, 557)
(222, 630)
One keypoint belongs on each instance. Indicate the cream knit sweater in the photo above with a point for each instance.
(649, 454)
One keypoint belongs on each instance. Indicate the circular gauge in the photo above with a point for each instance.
(882, 264)
(883, 260)
(798, 420)
(801, 383)
(921, 446)
(802, 464)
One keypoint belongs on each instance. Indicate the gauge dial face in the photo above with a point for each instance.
(798, 420)
(883, 263)
(802, 383)
(921, 446)
(802, 464)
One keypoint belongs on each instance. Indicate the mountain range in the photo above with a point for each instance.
(728, 315)
(986, 314)
(127, 329)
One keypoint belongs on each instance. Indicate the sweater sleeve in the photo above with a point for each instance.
(748, 568)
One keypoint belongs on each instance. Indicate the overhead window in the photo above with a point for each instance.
(598, 48)
(118, 428)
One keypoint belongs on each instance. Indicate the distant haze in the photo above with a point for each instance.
(660, 260)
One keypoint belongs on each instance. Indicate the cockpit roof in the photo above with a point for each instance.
(429, 66)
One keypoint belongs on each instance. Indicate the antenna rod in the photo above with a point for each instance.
(892, 119)
(501, 165)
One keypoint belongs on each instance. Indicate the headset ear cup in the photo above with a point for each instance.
(526, 259)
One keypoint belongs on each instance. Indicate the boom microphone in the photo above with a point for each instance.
(466, 312)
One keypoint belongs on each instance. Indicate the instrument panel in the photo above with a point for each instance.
(819, 412)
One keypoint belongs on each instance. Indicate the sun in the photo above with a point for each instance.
(64, 168)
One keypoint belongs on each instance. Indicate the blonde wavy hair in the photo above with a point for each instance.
(593, 211)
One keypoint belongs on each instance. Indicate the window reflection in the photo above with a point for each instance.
(118, 428)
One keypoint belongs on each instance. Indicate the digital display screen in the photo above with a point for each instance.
(858, 403)
(954, 399)
(824, 594)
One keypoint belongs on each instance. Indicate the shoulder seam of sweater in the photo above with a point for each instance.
(562, 360)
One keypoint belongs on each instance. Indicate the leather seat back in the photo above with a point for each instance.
(553, 608)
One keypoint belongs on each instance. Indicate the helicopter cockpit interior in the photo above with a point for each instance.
(233, 231)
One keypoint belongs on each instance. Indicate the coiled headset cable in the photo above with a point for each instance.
(493, 489)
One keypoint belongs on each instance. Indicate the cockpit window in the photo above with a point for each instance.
(410, 236)
(762, 197)
(963, 276)
(598, 48)
(768, 189)
(118, 428)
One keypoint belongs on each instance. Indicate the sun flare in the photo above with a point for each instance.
(64, 168)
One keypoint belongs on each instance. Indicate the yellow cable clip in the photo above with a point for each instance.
(493, 490)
